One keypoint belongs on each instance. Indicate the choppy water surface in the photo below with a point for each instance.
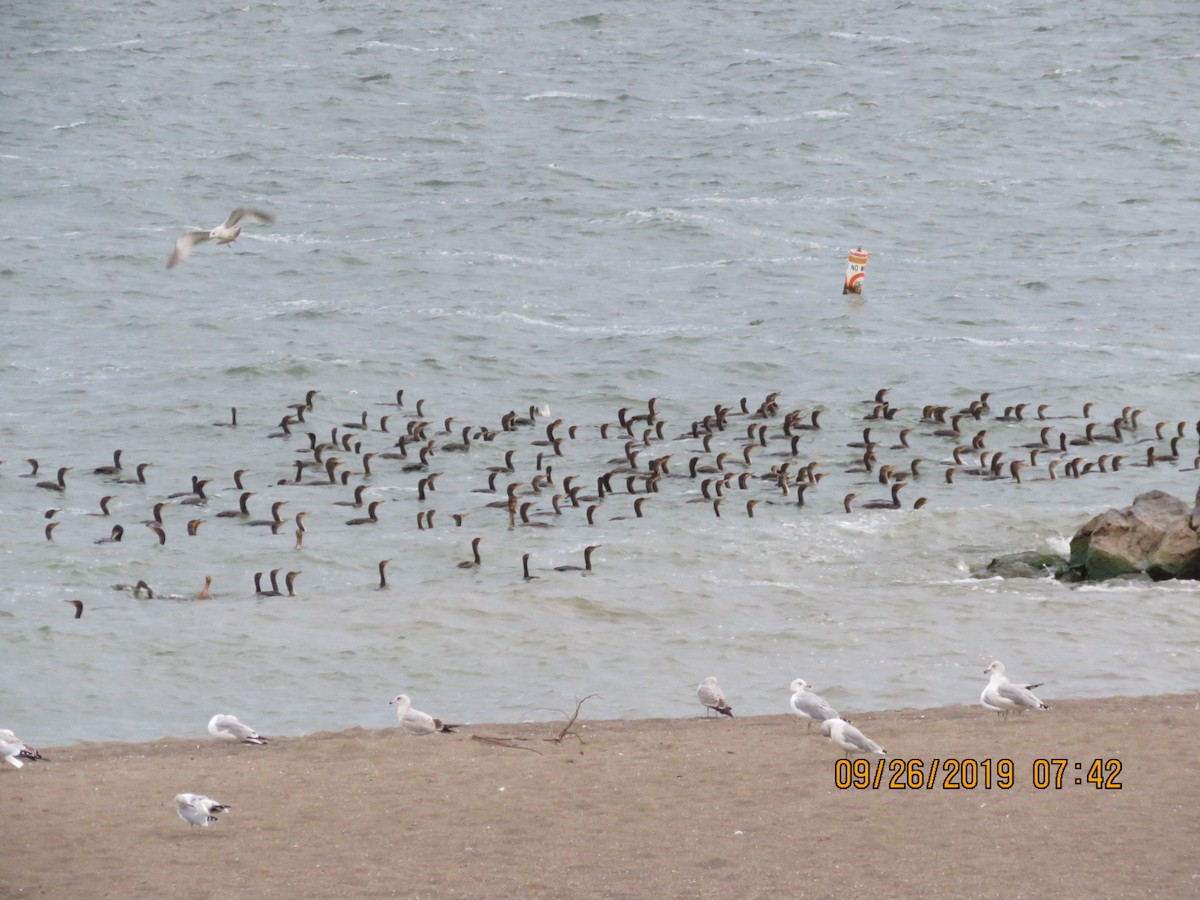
(497, 207)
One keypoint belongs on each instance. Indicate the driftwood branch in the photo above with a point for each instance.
(566, 729)
(503, 742)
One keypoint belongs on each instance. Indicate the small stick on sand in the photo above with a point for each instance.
(566, 729)
(503, 742)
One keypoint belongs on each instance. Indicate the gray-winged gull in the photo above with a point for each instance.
(225, 233)
(196, 809)
(1003, 696)
(13, 750)
(413, 721)
(228, 728)
(850, 739)
(808, 705)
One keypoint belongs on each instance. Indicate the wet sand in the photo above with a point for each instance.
(742, 807)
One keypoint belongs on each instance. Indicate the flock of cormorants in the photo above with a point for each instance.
(533, 470)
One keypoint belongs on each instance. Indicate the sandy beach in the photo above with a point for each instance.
(690, 807)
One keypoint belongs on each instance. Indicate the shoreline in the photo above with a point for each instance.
(625, 808)
(201, 736)
(528, 728)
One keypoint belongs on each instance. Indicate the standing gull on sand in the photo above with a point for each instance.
(228, 728)
(196, 809)
(850, 739)
(711, 695)
(1003, 696)
(808, 705)
(13, 750)
(225, 233)
(413, 721)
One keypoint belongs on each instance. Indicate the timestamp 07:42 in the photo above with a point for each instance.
(967, 774)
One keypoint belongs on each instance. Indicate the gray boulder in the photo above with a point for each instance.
(1154, 536)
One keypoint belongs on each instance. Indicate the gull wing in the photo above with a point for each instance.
(249, 215)
(183, 247)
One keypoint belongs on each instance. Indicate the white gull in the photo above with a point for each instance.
(225, 233)
(808, 705)
(413, 721)
(1003, 696)
(196, 809)
(228, 728)
(13, 750)
(850, 739)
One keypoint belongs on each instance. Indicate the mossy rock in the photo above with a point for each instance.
(1154, 537)
(1094, 564)
(1028, 564)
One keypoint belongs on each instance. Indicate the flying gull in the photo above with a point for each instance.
(225, 233)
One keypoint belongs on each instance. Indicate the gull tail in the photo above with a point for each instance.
(724, 710)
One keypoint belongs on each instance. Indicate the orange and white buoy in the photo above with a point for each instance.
(856, 271)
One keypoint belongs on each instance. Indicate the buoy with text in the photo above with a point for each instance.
(856, 270)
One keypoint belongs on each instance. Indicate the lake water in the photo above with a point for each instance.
(493, 207)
